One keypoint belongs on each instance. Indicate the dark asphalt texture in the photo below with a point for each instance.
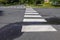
(10, 25)
(48, 12)
(53, 17)
(11, 15)
(11, 31)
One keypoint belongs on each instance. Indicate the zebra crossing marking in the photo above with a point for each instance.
(34, 20)
(35, 28)
(32, 16)
(30, 10)
(31, 13)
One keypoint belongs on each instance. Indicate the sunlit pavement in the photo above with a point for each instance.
(29, 24)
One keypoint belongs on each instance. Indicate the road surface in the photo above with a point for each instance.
(29, 24)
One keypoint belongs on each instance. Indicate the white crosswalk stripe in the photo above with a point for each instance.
(34, 20)
(32, 16)
(30, 10)
(35, 28)
(31, 13)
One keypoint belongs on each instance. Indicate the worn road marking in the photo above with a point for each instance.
(37, 28)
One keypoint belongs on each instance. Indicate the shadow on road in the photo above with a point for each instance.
(11, 31)
(1, 13)
(50, 21)
(53, 20)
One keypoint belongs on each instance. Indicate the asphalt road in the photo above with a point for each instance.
(11, 15)
(10, 25)
(10, 22)
(48, 12)
(45, 35)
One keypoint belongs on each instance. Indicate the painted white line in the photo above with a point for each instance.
(34, 20)
(37, 28)
(31, 13)
(32, 16)
(30, 10)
